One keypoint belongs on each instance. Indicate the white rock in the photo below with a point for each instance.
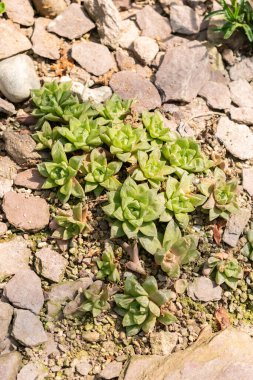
(5, 186)
(146, 49)
(18, 77)
(128, 34)
(163, 342)
(242, 115)
(184, 20)
(98, 95)
(242, 70)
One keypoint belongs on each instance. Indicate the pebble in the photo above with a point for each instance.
(3, 228)
(241, 93)
(8, 168)
(235, 226)
(90, 336)
(20, 12)
(5, 186)
(163, 342)
(152, 24)
(50, 264)
(242, 114)
(50, 8)
(111, 370)
(145, 49)
(6, 312)
(33, 371)
(128, 34)
(13, 42)
(30, 179)
(247, 183)
(10, 364)
(242, 70)
(98, 94)
(83, 367)
(216, 94)
(184, 20)
(7, 107)
(45, 44)
(203, 289)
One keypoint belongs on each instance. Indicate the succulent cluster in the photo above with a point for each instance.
(70, 224)
(107, 266)
(141, 305)
(225, 270)
(247, 250)
(2, 8)
(95, 299)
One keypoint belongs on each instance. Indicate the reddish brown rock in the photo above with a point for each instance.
(30, 179)
(130, 85)
(45, 44)
(28, 213)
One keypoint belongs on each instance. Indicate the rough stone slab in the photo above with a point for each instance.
(33, 371)
(93, 57)
(130, 85)
(227, 355)
(203, 289)
(184, 20)
(30, 179)
(242, 115)
(27, 213)
(163, 342)
(50, 264)
(72, 23)
(7, 107)
(247, 177)
(216, 94)
(8, 168)
(20, 11)
(235, 227)
(14, 256)
(18, 77)
(28, 329)
(5, 186)
(237, 138)
(179, 81)
(6, 312)
(152, 24)
(12, 40)
(242, 70)
(21, 148)
(10, 365)
(111, 370)
(241, 93)
(146, 49)
(24, 291)
(45, 44)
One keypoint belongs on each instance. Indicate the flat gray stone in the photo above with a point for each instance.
(184, 20)
(235, 226)
(12, 41)
(111, 370)
(17, 76)
(152, 24)
(50, 264)
(237, 138)
(93, 57)
(216, 94)
(27, 213)
(14, 256)
(10, 365)
(45, 44)
(241, 93)
(30, 179)
(130, 85)
(20, 11)
(7, 107)
(242, 70)
(6, 312)
(24, 291)
(204, 289)
(28, 329)
(179, 81)
(242, 114)
(163, 342)
(71, 23)
(247, 180)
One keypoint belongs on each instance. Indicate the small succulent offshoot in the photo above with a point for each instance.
(225, 270)
(107, 266)
(46, 137)
(2, 8)
(62, 173)
(95, 299)
(141, 306)
(98, 173)
(247, 250)
(176, 250)
(221, 195)
(115, 109)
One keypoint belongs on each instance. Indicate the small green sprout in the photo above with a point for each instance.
(225, 270)
(2, 8)
(142, 305)
(107, 266)
(70, 224)
(95, 299)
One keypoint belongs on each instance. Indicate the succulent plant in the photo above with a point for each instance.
(62, 173)
(99, 173)
(95, 299)
(154, 123)
(225, 270)
(142, 305)
(115, 109)
(151, 168)
(124, 141)
(180, 199)
(222, 195)
(83, 135)
(107, 266)
(133, 209)
(2, 7)
(46, 137)
(70, 224)
(176, 250)
(185, 154)
(247, 250)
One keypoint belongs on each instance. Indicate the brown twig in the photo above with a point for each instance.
(134, 264)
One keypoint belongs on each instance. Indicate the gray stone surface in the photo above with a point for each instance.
(130, 85)
(93, 57)
(30, 179)
(10, 365)
(28, 329)
(242, 114)
(184, 20)
(242, 70)
(20, 11)
(163, 342)
(12, 41)
(237, 138)
(17, 76)
(152, 24)
(27, 213)
(24, 291)
(247, 183)
(216, 94)
(50, 264)
(6, 312)
(72, 23)
(180, 81)
(145, 49)
(14, 256)
(203, 289)
(45, 44)
(235, 226)
(241, 93)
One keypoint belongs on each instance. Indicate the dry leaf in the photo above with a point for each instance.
(218, 229)
(222, 318)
